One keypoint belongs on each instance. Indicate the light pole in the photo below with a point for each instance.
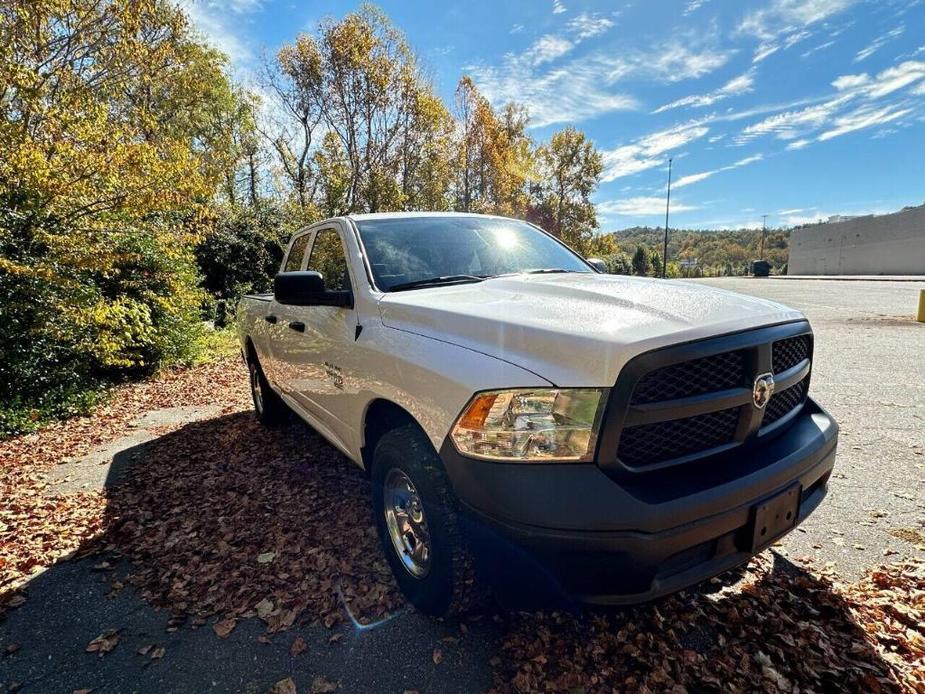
(667, 207)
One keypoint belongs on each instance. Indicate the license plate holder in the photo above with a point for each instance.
(775, 516)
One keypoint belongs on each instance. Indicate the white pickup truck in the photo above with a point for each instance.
(520, 413)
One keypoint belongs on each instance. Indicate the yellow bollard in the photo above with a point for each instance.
(921, 316)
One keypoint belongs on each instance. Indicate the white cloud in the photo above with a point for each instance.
(850, 82)
(586, 26)
(693, 5)
(879, 43)
(641, 206)
(211, 19)
(784, 16)
(864, 117)
(790, 125)
(894, 78)
(764, 50)
(677, 61)
(558, 7)
(568, 93)
(795, 38)
(795, 210)
(697, 177)
(737, 85)
(820, 47)
(649, 151)
(693, 178)
(556, 91)
(516, 29)
(858, 92)
(545, 49)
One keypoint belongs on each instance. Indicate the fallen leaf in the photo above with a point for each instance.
(104, 643)
(437, 656)
(264, 608)
(298, 646)
(284, 686)
(266, 557)
(322, 685)
(224, 627)
(158, 653)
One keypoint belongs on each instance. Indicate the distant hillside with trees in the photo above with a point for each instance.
(708, 253)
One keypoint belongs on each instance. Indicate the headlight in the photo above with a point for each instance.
(531, 425)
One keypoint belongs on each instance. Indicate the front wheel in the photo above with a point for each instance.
(418, 525)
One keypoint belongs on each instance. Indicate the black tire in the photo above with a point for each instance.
(268, 406)
(449, 585)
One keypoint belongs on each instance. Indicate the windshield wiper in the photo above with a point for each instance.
(436, 282)
(547, 271)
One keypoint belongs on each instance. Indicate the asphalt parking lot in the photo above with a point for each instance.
(869, 371)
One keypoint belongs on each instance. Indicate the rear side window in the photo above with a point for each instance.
(328, 258)
(296, 253)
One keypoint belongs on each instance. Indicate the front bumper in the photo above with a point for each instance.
(608, 540)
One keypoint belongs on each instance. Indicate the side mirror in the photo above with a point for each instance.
(306, 288)
(597, 264)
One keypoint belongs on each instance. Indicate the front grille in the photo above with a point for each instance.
(651, 430)
(648, 444)
(783, 403)
(788, 353)
(695, 377)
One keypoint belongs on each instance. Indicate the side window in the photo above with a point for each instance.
(296, 253)
(328, 258)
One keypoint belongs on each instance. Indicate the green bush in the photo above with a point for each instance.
(104, 305)
(243, 251)
(618, 264)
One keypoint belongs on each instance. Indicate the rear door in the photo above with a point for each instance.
(280, 338)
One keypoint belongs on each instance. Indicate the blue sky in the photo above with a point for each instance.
(798, 109)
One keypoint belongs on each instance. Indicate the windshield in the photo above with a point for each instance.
(412, 249)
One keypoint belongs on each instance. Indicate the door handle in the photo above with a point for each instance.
(297, 325)
(270, 319)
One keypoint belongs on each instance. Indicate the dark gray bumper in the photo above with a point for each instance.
(613, 540)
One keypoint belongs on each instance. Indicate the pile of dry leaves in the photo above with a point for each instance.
(226, 517)
(38, 526)
(223, 519)
(781, 628)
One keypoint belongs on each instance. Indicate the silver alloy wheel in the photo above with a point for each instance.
(407, 525)
(256, 389)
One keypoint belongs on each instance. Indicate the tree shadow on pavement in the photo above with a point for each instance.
(245, 540)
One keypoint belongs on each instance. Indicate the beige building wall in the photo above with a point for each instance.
(890, 244)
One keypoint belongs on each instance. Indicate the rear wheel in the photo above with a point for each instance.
(268, 406)
(418, 524)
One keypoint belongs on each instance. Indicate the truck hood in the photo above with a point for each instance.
(575, 329)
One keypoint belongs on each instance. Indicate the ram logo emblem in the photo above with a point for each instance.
(763, 390)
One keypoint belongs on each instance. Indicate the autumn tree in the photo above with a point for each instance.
(494, 158)
(569, 171)
(358, 79)
(111, 146)
(294, 83)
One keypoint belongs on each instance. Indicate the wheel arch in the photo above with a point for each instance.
(381, 416)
